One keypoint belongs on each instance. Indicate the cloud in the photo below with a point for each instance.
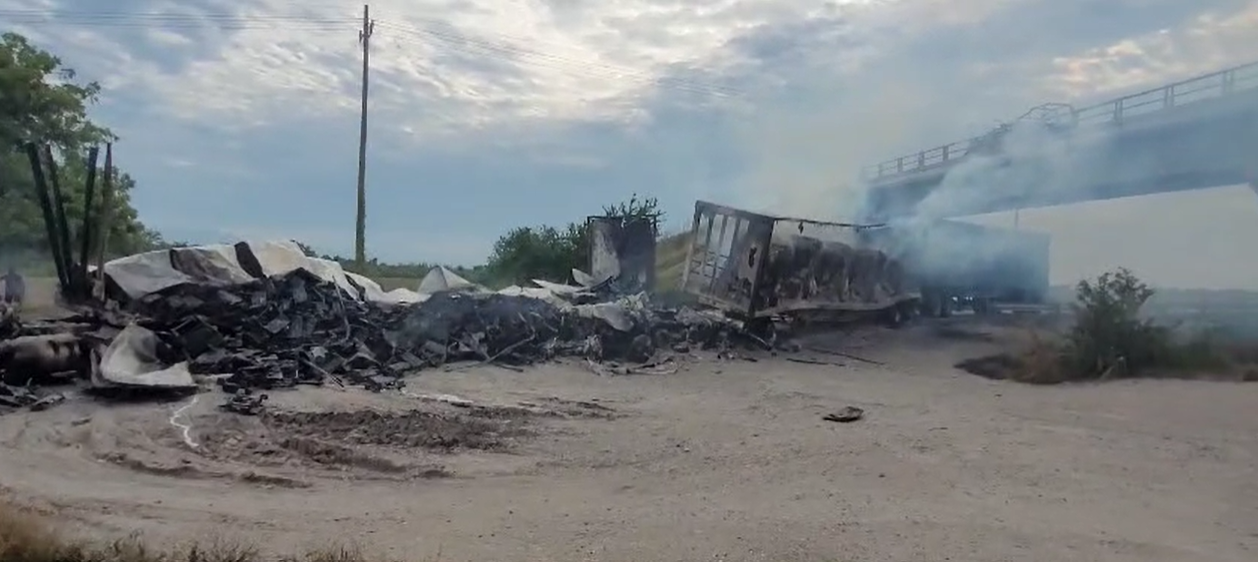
(486, 115)
(1209, 41)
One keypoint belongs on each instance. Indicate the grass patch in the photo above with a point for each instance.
(28, 537)
(1111, 340)
(670, 261)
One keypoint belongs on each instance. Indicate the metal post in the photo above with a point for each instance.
(85, 232)
(690, 250)
(105, 216)
(62, 224)
(45, 205)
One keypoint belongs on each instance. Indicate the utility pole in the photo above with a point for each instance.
(360, 234)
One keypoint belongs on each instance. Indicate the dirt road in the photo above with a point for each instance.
(727, 461)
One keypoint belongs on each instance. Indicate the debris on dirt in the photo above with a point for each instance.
(9, 325)
(244, 402)
(274, 333)
(133, 362)
(807, 361)
(438, 431)
(16, 398)
(846, 414)
(262, 316)
(661, 367)
(442, 398)
(42, 359)
(828, 351)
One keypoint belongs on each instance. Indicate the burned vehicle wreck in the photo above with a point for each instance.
(759, 267)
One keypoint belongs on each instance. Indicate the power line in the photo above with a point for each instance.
(175, 21)
(77, 16)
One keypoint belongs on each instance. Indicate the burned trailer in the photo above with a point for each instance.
(755, 266)
(622, 250)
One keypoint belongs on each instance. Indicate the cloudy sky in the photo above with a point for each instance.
(239, 118)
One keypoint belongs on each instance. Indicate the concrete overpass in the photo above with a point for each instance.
(1195, 134)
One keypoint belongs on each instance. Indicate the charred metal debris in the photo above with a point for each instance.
(299, 329)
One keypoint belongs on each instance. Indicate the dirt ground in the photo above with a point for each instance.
(720, 461)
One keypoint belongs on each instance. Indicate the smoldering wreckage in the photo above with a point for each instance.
(260, 316)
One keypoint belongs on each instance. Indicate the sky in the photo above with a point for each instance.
(240, 119)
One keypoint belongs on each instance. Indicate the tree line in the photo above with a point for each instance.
(42, 101)
(518, 256)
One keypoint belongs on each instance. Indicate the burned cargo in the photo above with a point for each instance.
(754, 265)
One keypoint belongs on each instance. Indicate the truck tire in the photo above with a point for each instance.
(894, 316)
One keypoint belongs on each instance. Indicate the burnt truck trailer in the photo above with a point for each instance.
(757, 267)
(964, 265)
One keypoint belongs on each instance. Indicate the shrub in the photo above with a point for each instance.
(1109, 338)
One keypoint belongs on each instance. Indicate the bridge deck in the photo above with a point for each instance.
(1144, 108)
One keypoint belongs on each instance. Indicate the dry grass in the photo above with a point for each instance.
(1110, 339)
(1044, 361)
(670, 261)
(28, 537)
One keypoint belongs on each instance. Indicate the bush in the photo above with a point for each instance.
(1110, 339)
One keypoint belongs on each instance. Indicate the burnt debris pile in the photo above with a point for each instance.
(507, 329)
(519, 330)
(297, 329)
(300, 328)
(276, 332)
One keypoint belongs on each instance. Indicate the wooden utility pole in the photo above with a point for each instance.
(360, 234)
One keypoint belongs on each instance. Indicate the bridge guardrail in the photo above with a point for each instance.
(1200, 88)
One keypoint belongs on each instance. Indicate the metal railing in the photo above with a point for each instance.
(1200, 88)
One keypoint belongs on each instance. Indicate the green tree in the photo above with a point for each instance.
(550, 253)
(542, 252)
(647, 208)
(41, 101)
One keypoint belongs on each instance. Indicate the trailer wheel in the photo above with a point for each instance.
(910, 310)
(894, 316)
(983, 306)
(930, 305)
